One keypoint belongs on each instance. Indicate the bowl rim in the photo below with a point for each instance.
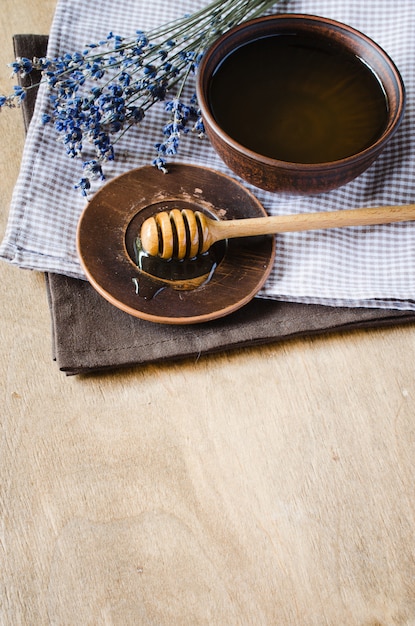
(390, 129)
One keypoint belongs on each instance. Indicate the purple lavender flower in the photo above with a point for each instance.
(84, 185)
(98, 93)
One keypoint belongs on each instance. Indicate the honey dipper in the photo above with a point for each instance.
(185, 233)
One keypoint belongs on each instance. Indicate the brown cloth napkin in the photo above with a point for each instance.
(89, 334)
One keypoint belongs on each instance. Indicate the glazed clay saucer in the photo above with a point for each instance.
(214, 286)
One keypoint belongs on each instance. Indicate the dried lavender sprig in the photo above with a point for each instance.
(99, 93)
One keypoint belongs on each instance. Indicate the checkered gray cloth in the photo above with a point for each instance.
(370, 267)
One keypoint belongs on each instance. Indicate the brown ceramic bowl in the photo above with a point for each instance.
(297, 103)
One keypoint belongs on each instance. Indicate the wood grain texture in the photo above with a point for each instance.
(161, 236)
(270, 486)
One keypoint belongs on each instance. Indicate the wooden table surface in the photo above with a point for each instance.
(269, 486)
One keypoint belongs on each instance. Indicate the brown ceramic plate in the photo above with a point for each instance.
(220, 282)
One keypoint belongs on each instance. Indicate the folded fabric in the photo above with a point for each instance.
(90, 335)
(360, 267)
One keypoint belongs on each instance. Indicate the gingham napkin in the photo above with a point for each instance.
(346, 267)
(83, 343)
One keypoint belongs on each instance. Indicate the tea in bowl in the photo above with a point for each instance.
(297, 103)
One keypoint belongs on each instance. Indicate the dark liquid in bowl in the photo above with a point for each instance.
(294, 98)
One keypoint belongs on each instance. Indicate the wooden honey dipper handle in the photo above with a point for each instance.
(157, 237)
